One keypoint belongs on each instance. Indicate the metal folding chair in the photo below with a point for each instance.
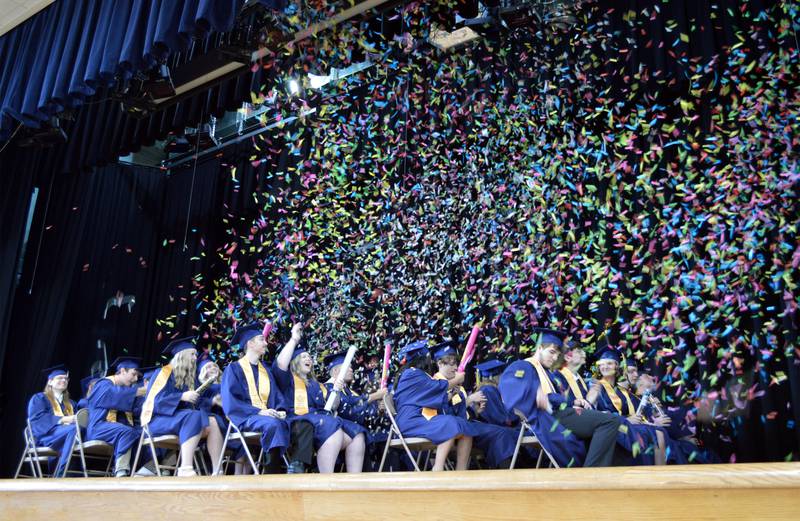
(422, 445)
(92, 449)
(526, 438)
(249, 440)
(33, 455)
(168, 441)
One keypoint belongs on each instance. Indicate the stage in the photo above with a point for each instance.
(743, 491)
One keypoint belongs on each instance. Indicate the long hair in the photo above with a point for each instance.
(184, 368)
(203, 376)
(422, 363)
(48, 391)
(294, 366)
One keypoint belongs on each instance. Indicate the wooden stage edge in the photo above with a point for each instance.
(741, 491)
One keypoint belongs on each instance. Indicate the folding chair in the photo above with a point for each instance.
(33, 455)
(167, 441)
(422, 445)
(92, 449)
(526, 438)
(248, 439)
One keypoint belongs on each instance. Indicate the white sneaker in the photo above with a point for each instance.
(185, 472)
(144, 472)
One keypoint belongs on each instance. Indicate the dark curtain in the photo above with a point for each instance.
(73, 48)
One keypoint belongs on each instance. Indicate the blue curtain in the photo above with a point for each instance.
(68, 51)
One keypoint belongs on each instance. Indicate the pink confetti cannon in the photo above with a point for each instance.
(469, 352)
(387, 357)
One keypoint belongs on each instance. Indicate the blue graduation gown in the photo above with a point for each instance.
(237, 406)
(106, 396)
(495, 411)
(518, 386)
(496, 441)
(353, 410)
(171, 415)
(640, 440)
(325, 424)
(48, 432)
(355, 407)
(417, 390)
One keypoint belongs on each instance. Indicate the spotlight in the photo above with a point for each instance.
(50, 134)
(159, 84)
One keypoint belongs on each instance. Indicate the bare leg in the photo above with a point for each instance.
(187, 451)
(214, 443)
(661, 450)
(462, 452)
(354, 453)
(327, 454)
(442, 450)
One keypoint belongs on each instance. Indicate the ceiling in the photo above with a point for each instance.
(14, 12)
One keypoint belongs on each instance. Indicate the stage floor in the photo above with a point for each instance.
(730, 492)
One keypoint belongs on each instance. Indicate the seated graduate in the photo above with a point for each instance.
(569, 378)
(493, 410)
(170, 407)
(306, 397)
(421, 401)
(527, 386)
(646, 443)
(51, 414)
(356, 411)
(497, 442)
(211, 404)
(679, 422)
(111, 405)
(86, 388)
(253, 402)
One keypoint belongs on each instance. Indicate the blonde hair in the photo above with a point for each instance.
(295, 368)
(48, 391)
(184, 368)
(203, 376)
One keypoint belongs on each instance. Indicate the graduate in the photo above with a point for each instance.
(111, 405)
(647, 443)
(493, 410)
(252, 400)
(528, 387)
(52, 417)
(569, 379)
(86, 388)
(497, 442)
(421, 402)
(358, 412)
(170, 407)
(211, 404)
(306, 397)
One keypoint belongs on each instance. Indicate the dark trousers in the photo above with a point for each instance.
(301, 444)
(600, 427)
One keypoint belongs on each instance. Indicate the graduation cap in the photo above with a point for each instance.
(610, 354)
(178, 345)
(444, 349)
(243, 334)
(56, 370)
(550, 336)
(334, 359)
(149, 372)
(413, 350)
(86, 383)
(125, 362)
(490, 368)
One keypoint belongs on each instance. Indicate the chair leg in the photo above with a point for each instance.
(138, 453)
(21, 461)
(539, 459)
(224, 446)
(516, 449)
(385, 452)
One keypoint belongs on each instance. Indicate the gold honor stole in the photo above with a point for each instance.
(573, 382)
(112, 414)
(258, 397)
(544, 379)
(457, 397)
(616, 400)
(150, 401)
(57, 406)
(301, 395)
